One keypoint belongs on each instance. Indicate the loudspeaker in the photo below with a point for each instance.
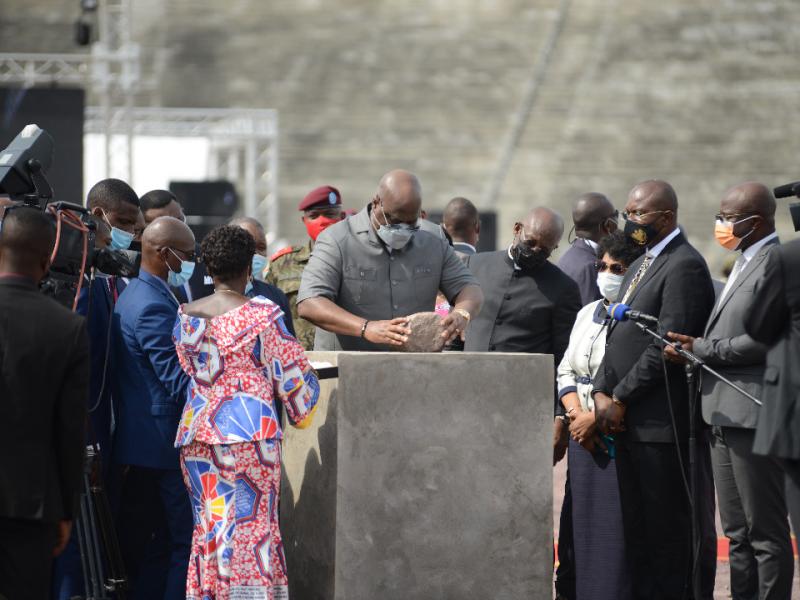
(59, 111)
(206, 198)
(488, 239)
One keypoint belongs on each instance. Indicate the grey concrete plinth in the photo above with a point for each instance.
(442, 485)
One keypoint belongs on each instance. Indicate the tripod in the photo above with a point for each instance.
(97, 539)
(693, 363)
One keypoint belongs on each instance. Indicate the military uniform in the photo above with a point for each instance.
(285, 271)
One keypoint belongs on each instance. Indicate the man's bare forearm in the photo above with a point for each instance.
(329, 316)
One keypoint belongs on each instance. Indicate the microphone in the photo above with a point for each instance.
(787, 189)
(623, 312)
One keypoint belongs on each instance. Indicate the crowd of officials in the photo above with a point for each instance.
(186, 370)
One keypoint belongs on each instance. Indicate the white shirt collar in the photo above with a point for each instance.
(592, 244)
(753, 250)
(659, 247)
(516, 267)
(470, 246)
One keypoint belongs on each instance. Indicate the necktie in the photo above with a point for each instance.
(637, 278)
(737, 268)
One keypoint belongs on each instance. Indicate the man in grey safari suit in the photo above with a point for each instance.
(750, 487)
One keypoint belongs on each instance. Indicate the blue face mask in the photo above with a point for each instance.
(178, 279)
(120, 239)
(396, 237)
(259, 264)
(248, 288)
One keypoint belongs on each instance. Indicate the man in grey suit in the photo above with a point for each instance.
(750, 487)
(463, 224)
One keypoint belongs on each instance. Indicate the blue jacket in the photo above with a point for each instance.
(579, 263)
(149, 386)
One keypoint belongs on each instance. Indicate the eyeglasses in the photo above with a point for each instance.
(733, 218)
(533, 243)
(190, 256)
(636, 215)
(615, 268)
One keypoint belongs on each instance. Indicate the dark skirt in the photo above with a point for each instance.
(600, 566)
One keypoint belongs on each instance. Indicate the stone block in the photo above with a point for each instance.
(425, 476)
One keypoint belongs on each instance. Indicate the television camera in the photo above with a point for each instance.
(23, 166)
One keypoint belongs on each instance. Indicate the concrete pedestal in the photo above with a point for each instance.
(424, 476)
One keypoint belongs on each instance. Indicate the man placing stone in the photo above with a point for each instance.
(594, 217)
(368, 273)
(462, 223)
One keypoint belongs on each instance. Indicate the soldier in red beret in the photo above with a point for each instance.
(321, 207)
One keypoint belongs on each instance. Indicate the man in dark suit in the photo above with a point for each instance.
(463, 224)
(671, 282)
(149, 387)
(115, 210)
(775, 320)
(750, 487)
(594, 217)
(44, 383)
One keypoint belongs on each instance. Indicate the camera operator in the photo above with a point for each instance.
(775, 321)
(115, 209)
(44, 382)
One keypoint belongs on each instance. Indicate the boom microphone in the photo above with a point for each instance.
(623, 312)
(787, 189)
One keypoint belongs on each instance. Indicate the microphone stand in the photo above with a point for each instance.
(693, 362)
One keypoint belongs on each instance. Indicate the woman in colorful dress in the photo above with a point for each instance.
(241, 359)
(600, 562)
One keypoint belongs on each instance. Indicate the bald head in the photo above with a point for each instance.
(594, 216)
(461, 221)
(751, 206)
(256, 231)
(653, 195)
(27, 236)
(543, 225)
(400, 194)
(166, 241)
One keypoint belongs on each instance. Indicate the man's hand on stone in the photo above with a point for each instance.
(394, 332)
(455, 324)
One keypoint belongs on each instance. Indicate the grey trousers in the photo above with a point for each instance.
(754, 515)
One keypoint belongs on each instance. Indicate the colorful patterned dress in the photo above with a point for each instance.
(229, 437)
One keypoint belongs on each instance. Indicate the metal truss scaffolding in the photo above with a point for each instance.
(243, 143)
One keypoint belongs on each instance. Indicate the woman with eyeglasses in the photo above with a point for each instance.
(596, 511)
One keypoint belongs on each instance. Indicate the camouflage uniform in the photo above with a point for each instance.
(285, 271)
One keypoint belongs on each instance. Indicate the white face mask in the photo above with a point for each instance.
(609, 285)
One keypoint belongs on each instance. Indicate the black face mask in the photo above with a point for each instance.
(638, 234)
(526, 258)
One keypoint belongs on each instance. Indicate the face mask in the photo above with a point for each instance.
(248, 288)
(526, 258)
(609, 285)
(316, 226)
(178, 279)
(120, 239)
(396, 237)
(638, 234)
(259, 264)
(723, 231)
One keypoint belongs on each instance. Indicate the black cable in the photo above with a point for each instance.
(675, 429)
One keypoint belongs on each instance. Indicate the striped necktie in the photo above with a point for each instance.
(637, 278)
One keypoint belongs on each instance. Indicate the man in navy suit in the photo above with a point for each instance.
(593, 218)
(155, 520)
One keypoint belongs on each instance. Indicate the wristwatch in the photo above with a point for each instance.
(463, 312)
(617, 401)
